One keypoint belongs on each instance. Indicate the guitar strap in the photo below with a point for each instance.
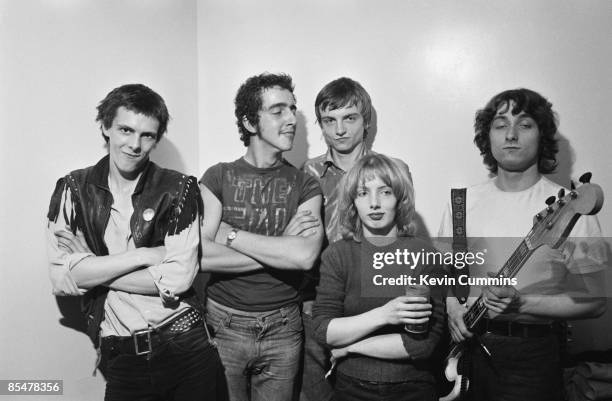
(458, 196)
(458, 208)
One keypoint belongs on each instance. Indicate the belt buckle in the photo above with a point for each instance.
(142, 334)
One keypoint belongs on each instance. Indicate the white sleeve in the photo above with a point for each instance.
(585, 250)
(62, 262)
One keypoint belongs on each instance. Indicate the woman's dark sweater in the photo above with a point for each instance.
(346, 289)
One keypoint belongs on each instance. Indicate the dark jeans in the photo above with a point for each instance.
(314, 386)
(187, 367)
(259, 350)
(351, 389)
(521, 369)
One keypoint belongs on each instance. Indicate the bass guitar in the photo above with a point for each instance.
(550, 227)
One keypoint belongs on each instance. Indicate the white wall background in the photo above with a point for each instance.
(428, 66)
(59, 58)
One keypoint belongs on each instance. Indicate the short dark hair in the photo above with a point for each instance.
(248, 101)
(344, 92)
(532, 104)
(137, 98)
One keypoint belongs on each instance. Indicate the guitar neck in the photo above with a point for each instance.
(509, 270)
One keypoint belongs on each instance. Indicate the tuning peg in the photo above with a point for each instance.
(585, 178)
(560, 197)
(561, 193)
(550, 201)
(539, 217)
(572, 185)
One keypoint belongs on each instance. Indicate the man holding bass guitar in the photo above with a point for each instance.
(514, 349)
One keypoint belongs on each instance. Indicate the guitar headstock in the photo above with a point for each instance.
(553, 225)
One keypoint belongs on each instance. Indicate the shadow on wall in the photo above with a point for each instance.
(167, 155)
(589, 338)
(566, 157)
(421, 228)
(72, 316)
(299, 153)
(372, 130)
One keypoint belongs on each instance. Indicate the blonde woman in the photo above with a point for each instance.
(365, 326)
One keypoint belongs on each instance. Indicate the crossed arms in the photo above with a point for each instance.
(297, 249)
(353, 334)
(167, 271)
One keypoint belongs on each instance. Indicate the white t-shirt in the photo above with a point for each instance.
(496, 223)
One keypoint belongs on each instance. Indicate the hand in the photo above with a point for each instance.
(406, 310)
(71, 243)
(302, 223)
(458, 330)
(152, 256)
(222, 232)
(337, 354)
(307, 307)
(62, 283)
(501, 299)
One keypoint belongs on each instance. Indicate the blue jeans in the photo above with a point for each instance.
(187, 367)
(259, 350)
(348, 388)
(520, 369)
(314, 386)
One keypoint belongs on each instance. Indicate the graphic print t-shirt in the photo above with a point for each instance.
(261, 201)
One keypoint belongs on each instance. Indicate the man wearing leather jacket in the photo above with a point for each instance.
(124, 234)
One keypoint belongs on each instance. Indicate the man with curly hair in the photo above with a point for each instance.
(517, 353)
(125, 234)
(261, 231)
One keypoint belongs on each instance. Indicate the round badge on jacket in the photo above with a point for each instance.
(148, 214)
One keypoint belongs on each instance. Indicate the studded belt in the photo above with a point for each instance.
(144, 341)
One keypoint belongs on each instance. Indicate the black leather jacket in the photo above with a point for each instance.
(173, 197)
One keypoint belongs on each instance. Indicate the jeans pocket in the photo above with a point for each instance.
(294, 322)
(190, 341)
(216, 322)
(111, 359)
(110, 355)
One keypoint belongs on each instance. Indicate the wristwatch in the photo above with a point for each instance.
(231, 236)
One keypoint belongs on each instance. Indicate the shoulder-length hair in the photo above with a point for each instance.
(533, 104)
(393, 173)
